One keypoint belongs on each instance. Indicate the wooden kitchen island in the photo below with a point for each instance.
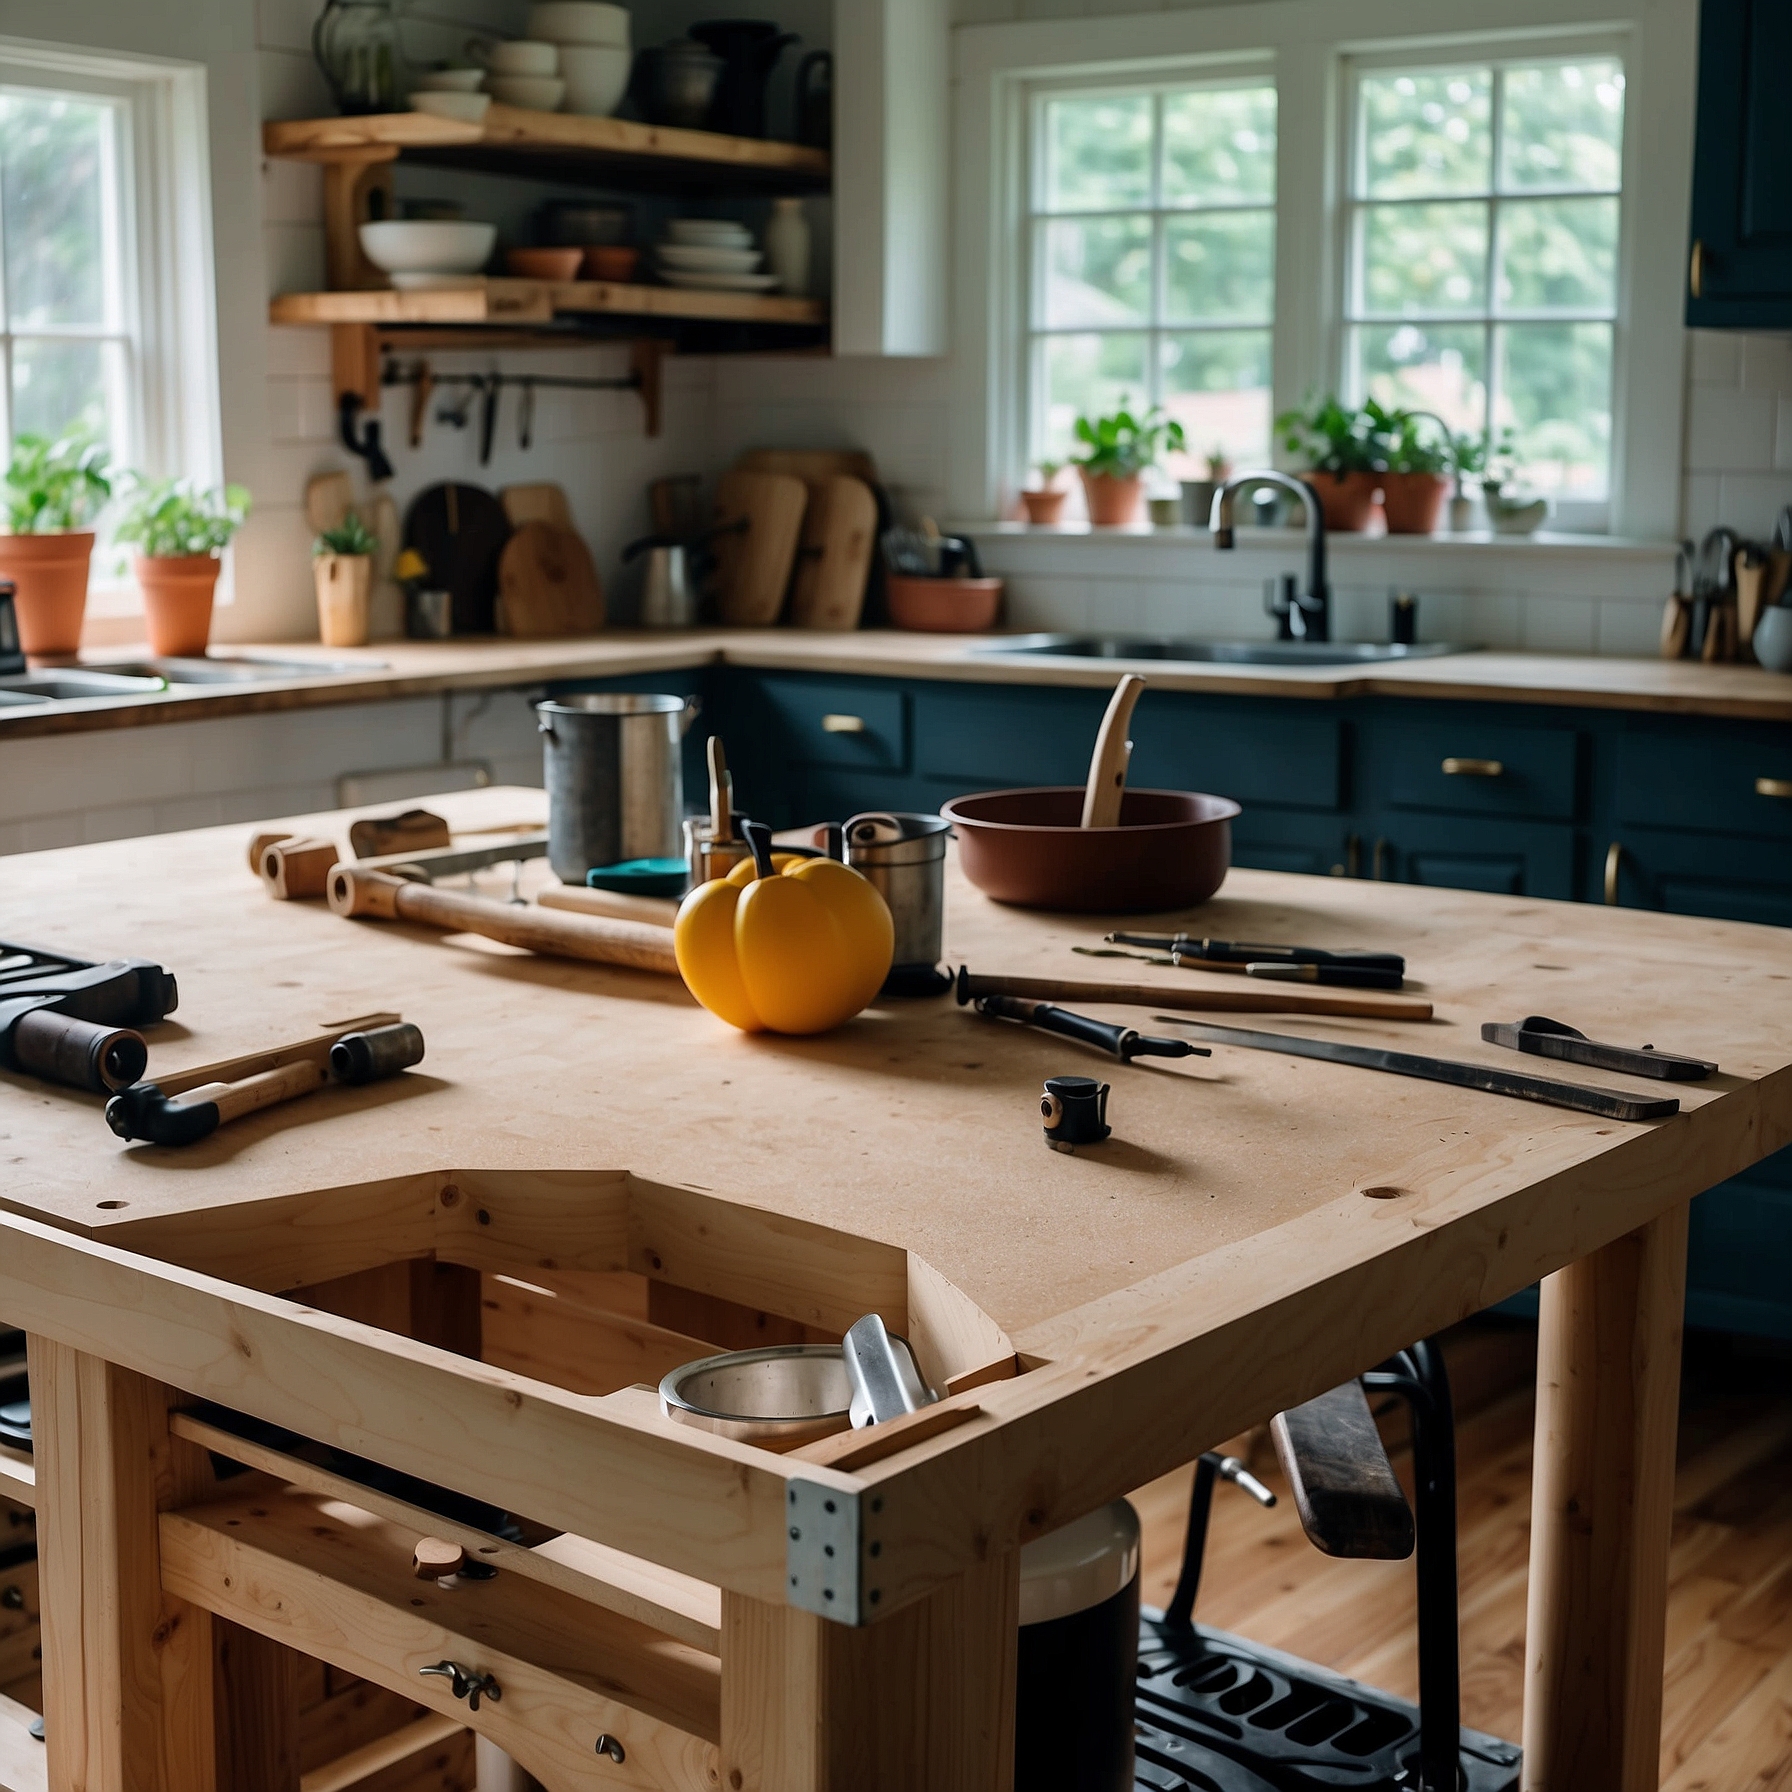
(465, 1275)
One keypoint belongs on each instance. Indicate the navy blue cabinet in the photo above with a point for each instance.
(1739, 268)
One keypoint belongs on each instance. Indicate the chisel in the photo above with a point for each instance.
(1242, 952)
(1608, 1104)
(1126, 1043)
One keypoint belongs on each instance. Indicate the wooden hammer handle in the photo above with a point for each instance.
(550, 931)
(261, 1091)
(1107, 768)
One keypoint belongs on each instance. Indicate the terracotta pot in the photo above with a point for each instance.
(343, 581)
(1414, 502)
(1345, 499)
(50, 572)
(1113, 502)
(177, 602)
(944, 606)
(1044, 507)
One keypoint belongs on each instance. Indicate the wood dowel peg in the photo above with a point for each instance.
(259, 843)
(293, 868)
(435, 1558)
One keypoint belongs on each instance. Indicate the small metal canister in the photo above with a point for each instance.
(707, 855)
(903, 857)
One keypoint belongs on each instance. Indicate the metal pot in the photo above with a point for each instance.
(668, 591)
(613, 764)
(903, 857)
(778, 1397)
(681, 83)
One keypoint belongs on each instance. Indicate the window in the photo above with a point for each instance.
(1153, 262)
(1482, 263)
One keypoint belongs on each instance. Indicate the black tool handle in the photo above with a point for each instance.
(1343, 976)
(61, 1049)
(1124, 1043)
(1545, 1038)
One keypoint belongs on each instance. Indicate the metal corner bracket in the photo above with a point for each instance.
(832, 1552)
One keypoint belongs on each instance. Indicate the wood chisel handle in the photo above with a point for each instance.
(1107, 769)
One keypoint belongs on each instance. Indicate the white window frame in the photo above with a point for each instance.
(1309, 44)
(165, 221)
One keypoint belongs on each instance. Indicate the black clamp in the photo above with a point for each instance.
(362, 439)
(468, 1683)
(1075, 1112)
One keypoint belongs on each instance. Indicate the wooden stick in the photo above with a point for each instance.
(656, 911)
(293, 868)
(1362, 1005)
(1107, 769)
(720, 821)
(315, 1050)
(590, 937)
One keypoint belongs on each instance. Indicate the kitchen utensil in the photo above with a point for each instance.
(1124, 1043)
(617, 263)
(971, 986)
(749, 49)
(668, 590)
(943, 606)
(523, 56)
(708, 855)
(708, 258)
(834, 561)
(541, 503)
(356, 45)
(753, 566)
(1773, 638)
(788, 244)
(1242, 952)
(677, 83)
(463, 108)
(1608, 1104)
(158, 1117)
(1547, 1038)
(429, 615)
(1711, 585)
(544, 264)
(596, 77)
(721, 789)
(1753, 568)
(579, 899)
(427, 246)
(1107, 768)
(1171, 849)
(329, 497)
(614, 776)
(641, 877)
(460, 532)
(355, 892)
(710, 232)
(815, 100)
(1075, 1112)
(547, 584)
(579, 22)
(903, 857)
(1676, 619)
(886, 1381)
(528, 93)
(777, 1397)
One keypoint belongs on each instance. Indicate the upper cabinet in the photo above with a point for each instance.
(1739, 265)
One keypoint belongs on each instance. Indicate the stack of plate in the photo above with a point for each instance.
(713, 253)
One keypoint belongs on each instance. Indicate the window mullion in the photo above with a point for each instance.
(1495, 223)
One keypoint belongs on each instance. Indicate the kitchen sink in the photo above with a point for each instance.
(19, 689)
(1218, 653)
(221, 669)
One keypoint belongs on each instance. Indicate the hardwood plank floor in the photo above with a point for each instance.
(1727, 1715)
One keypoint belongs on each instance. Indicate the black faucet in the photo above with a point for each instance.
(1300, 616)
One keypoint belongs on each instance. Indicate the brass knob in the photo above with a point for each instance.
(1695, 273)
(1780, 787)
(1614, 861)
(843, 724)
(1473, 768)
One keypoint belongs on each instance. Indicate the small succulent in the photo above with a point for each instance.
(350, 536)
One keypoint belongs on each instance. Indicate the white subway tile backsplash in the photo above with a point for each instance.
(1728, 430)
(1560, 625)
(1752, 502)
(1633, 630)
(1766, 364)
(1715, 356)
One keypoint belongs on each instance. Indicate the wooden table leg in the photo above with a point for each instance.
(1608, 1389)
(921, 1701)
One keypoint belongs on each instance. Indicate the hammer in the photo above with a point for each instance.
(147, 1112)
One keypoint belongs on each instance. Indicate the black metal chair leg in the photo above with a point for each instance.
(1209, 1467)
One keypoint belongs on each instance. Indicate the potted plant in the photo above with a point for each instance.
(1045, 501)
(54, 490)
(1197, 494)
(179, 529)
(1342, 459)
(1417, 480)
(342, 565)
(1120, 450)
(1510, 512)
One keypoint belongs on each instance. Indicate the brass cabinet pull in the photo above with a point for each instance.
(843, 724)
(1780, 787)
(1378, 862)
(1473, 768)
(1614, 861)
(1695, 273)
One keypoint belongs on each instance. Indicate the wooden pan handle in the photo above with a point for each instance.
(1107, 769)
(549, 931)
(1361, 1004)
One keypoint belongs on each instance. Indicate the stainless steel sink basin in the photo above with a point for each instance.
(223, 669)
(1218, 653)
(19, 689)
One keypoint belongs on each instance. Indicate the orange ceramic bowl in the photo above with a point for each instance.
(944, 606)
(615, 262)
(544, 264)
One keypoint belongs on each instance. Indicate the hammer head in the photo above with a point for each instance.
(144, 1112)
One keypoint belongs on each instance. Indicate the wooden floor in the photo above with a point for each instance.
(1727, 1722)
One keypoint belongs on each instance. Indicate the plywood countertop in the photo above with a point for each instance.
(393, 669)
(917, 1124)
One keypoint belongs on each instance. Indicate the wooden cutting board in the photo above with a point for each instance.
(811, 465)
(753, 565)
(328, 499)
(834, 562)
(544, 503)
(547, 584)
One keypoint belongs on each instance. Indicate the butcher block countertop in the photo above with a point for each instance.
(395, 669)
(1240, 1178)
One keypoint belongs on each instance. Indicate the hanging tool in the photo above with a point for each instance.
(1211, 952)
(1124, 1043)
(1546, 1038)
(1364, 1005)
(488, 415)
(362, 439)
(1608, 1104)
(525, 416)
(75, 1022)
(421, 391)
(1676, 619)
(176, 1115)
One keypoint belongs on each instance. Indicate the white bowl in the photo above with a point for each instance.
(596, 78)
(714, 282)
(450, 80)
(533, 93)
(427, 246)
(525, 58)
(463, 108)
(579, 22)
(707, 260)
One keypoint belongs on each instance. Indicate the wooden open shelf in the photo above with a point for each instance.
(558, 146)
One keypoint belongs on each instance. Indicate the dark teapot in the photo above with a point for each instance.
(749, 49)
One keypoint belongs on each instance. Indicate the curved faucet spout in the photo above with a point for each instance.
(1306, 616)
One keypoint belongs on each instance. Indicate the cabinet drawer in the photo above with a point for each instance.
(1279, 754)
(1725, 779)
(1739, 1258)
(850, 726)
(1476, 767)
(1266, 839)
(997, 737)
(1504, 858)
(1730, 879)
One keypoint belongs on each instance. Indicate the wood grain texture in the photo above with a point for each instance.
(523, 302)
(753, 563)
(1344, 1486)
(548, 583)
(834, 560)
(1608, 1384)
